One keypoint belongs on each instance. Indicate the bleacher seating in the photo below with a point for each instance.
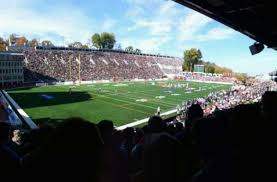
(63, 65)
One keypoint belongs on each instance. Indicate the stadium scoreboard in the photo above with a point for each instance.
(199, 68)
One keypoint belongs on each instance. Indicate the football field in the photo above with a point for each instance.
(122, 102)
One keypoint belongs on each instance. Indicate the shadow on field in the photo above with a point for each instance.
(20, 88)
(39, 99)
(51, 121)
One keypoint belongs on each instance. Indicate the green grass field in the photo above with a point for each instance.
(123, 102)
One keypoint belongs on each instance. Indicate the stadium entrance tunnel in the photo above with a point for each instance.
(40, 99)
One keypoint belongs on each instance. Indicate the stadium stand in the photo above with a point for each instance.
(209, 77)
(46, 65)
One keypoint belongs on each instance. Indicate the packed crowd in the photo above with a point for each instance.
(65, 65)
(247, 93)
(207, 77)
(231, 144)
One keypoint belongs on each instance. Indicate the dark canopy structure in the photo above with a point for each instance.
(254, 18)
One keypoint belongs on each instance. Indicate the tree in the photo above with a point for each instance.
(138, 51)
(104, 41)
(47, 43)
(21, 41)
(76, 45)
(132, 50)
(241, 77)
(108, 40)
(12, 38)
(85, 46)
(96, 41)
(209, 68)
(129, 49)
(191, 57)
(33, 43)
(3, 44)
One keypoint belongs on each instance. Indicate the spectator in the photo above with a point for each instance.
(193, 113)
(9, 165)
(164, 161)
(73, 152)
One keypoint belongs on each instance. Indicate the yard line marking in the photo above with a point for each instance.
(125, 104)
(155, 94)
(126, 101)
(150, 99)
(125, 107)
(149, 95)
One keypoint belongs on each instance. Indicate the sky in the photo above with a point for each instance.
(154, 26)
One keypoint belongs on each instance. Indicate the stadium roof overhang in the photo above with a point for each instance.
(254, 18)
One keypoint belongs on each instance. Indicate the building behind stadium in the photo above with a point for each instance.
(11, 68)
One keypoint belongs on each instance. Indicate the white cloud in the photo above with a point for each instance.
(134, 11)
(216, 34)
(191, 24)
(154, 27)
(61, 23)
(159, 21)
(141, 2)
(52, 23)
(147, 45)
(108, 24)
(167, 7)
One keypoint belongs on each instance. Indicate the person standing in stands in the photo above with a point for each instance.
(9, 160)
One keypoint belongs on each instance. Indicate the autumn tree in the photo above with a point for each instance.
(3, 44)
(33, 43)
(20, 41)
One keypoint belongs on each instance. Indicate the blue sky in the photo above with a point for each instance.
(154, 26)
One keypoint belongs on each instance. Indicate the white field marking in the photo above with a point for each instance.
(144, 120)
(154, 94)
(160, 97)
(151, 95)
(124, 107)
(175, 94)
(25, 116)
(121, 85)
(135, 98)
(133, 103)
(141, 100)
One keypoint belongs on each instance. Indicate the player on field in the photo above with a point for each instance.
(158, 111)
(69, 90)
(99, 90)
